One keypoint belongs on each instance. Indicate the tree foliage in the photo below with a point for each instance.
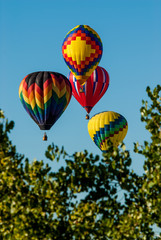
(89, 197)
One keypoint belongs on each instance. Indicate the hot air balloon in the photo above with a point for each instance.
(45, 96)
(93, 89)
(82, 51)
(107, 125)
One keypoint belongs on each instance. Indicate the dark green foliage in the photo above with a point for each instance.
(89, 197)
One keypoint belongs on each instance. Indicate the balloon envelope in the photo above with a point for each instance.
(93, 89)
(82, 51)
(45, 96)
(107, 125)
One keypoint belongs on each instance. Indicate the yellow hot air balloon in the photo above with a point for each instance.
(107, 125)
(82, 51)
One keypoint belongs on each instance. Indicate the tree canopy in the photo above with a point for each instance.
(81, 200)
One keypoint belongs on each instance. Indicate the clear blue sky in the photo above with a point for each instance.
(31, 36)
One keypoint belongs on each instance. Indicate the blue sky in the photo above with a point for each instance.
(31, 36)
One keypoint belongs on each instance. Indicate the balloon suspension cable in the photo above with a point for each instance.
(87, 116)
(45, 138)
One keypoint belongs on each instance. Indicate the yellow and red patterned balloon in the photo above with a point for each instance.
(82, 51)
(107, 125)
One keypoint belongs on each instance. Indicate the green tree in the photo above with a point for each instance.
(82, 199)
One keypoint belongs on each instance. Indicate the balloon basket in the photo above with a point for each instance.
(81, 90)
(87, 116)
(45, 138)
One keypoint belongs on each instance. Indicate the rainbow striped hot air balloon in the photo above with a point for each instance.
(82, 51)
(107, 125)
(45, 96)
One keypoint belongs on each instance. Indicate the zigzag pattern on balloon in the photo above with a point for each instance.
(82, 34)
(45, 96)
(109, 131)
(24, 99)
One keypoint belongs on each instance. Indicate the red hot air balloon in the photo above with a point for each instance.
(93, 89)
